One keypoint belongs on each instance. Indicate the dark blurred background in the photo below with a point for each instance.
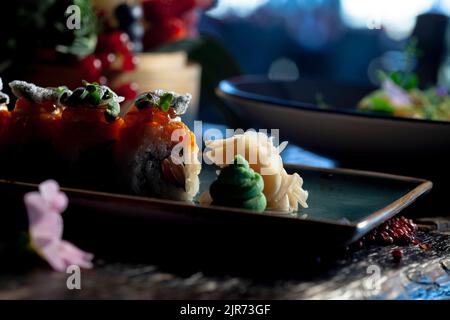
(344, 40)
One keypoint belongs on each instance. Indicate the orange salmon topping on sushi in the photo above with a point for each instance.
(91, 116)
(37, 113)
(138, 120)
(90, 128)
(5, 116)
(85, 125)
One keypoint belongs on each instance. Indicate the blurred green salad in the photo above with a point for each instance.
(400, 96)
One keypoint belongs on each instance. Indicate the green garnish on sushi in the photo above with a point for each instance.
(164, 100)
(96, 95)
(239, 186)
(151, 100)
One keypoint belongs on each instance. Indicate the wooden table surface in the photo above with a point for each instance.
(369, 273)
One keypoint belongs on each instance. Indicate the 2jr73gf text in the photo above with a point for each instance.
(230, 310)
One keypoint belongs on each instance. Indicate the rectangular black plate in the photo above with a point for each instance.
(343, 205)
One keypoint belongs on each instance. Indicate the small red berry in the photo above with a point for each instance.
(397, 255)
(397, 230)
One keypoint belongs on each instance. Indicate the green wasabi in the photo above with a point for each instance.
(239, 186)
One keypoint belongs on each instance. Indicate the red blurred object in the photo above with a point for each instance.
(104, 21)
(115, 47)
(398, 230)
(174, 28)
(102, 43)
(5, 116)
(91, 68)
(159, 10)
(107, 58)
(190, 20)
(127, 90)
(113, 42)
(171, 20)
(118, 41)
(129, 62)
(171, 29)
(204, 4)
(397, 255)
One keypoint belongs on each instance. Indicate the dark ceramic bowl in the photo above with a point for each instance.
(322, 116)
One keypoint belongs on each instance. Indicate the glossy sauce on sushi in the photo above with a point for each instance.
(85, 125)
(137, 121)
(34, 122)
(5, 116)
(28, 150)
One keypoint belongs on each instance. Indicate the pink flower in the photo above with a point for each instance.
(397, 95)
(46, 228)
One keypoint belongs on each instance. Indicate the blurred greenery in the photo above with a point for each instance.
(407, 78)
(84, 39)
(41, 25)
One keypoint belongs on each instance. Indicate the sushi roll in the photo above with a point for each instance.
(33, 125)
(90, 126)
(157, 153)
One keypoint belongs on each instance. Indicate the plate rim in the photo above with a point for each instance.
(227, 89)
(360, 226)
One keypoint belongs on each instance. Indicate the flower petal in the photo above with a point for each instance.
(60, 202)
(73, 255)
(49, 229)
(50, 192)
(36, 206)
(44, 223)
(49, 189)
(52, 255)
(46, 228)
